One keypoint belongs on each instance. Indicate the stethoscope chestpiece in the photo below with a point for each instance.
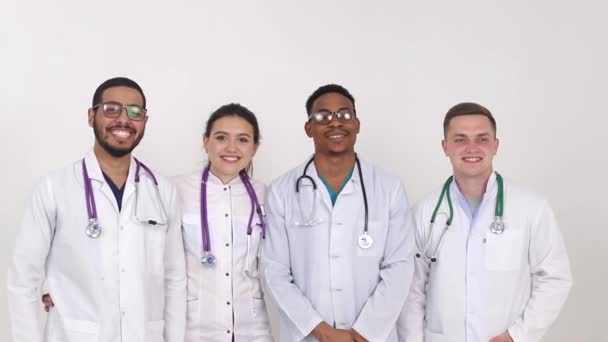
(93, 229)
(208, 260)
(365, 241)
(498, 226)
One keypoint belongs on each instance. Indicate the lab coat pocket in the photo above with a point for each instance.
(433, 337)
(376, 230)
(78, 331)
(155, 248)
(258, 309)
(191, 231)
(504, 252)
(192, 314)
(154, 331)
(253, 252)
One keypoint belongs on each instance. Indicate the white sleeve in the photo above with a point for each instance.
(26, 272)
(276, 277)
(410, 326)
(379, 314)
(551, 278)
(175, 274)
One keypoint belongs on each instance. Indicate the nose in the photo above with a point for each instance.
(471, 146)
(124, 115)
(335, 122)
(231, 145)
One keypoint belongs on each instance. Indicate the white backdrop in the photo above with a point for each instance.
(539, 66)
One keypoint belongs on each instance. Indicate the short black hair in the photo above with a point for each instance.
(234, 109)
(467, 108)
(116, 82)
(328, 88)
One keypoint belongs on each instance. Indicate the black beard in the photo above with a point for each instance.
(113, 151)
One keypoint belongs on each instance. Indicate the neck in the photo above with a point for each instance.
(117, 168)
(334, 168)
(225, 178)
(472, 187)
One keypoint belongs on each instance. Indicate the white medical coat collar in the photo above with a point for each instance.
(95, 173)
(490, 186)
(312, 172)
(216, 181)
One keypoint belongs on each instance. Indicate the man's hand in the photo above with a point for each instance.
(356, 336)
(47, 301)
(504, 337)
(325, 333)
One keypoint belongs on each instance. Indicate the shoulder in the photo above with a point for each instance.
(379, 175)
(259, 187)
(288, 179)
(424, 207)
(522, 195)
(186, 181)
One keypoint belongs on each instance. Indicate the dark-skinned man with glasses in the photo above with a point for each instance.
(104, 237)
(338, 259)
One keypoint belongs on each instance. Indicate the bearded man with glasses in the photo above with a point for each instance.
(104, 236)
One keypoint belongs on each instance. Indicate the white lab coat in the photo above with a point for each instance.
(318, 273)
(127, 285)
(519, 281)
(222, 300)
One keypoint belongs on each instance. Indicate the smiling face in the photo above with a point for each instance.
(471, 145)
(230, 146)
(336, 137)
(117, 136)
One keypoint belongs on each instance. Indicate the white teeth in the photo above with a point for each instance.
(335, 136)
(230, 158)
(121, 133)
(472, 159)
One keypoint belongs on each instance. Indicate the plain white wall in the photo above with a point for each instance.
(540, 66)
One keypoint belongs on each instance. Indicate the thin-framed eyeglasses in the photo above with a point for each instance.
(114, 109)
(324, 116)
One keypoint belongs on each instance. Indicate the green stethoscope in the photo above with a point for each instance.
(497, 226)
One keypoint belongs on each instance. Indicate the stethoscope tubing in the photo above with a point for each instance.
(314, 185)
(498, 214)
(256, 207)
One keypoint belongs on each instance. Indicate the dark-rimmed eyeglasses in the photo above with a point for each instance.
(114, 109)
(324, 117)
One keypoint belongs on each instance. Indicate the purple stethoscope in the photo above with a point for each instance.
(93, 229)
(209, 259)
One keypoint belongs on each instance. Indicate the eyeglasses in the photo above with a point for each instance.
(324, 117)
(114, 109)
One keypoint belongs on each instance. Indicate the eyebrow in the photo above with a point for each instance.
(327, 110)
(226, 133)
(480, 135)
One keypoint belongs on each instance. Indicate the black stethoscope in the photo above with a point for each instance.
(365, 240)
(93, 229)
(497, 226)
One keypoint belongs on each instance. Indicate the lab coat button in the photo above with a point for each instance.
(227, 303)
(226, 214)
(227, 274)
(227, 244)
